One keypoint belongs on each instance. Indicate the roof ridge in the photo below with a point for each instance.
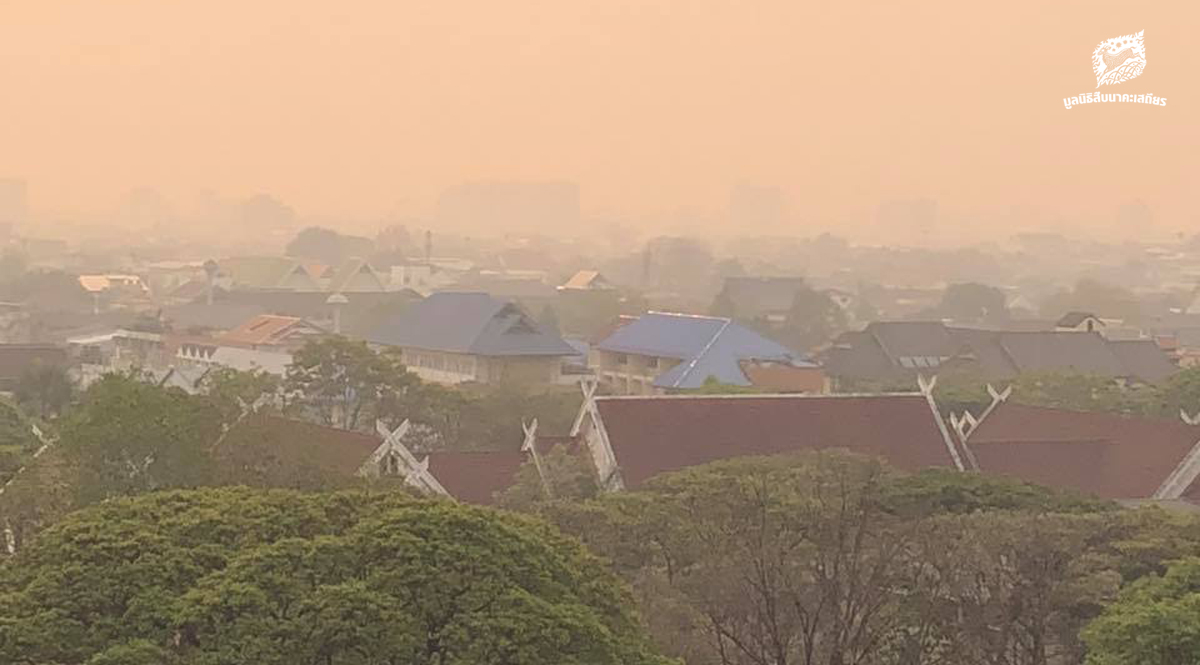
(709, 317)
(755, 396)
(696, 359)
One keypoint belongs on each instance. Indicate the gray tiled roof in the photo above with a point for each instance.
(889, 350)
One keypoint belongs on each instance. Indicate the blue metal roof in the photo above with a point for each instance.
(473, 323)
(708, 346)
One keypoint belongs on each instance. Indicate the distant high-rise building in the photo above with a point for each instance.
(510, 207)
(14, 203)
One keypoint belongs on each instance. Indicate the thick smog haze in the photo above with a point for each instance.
(660, 112)
(618, 332)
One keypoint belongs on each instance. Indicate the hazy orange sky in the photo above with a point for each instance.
(369, 107)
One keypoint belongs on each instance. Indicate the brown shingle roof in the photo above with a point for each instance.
(651, 435)
(475, 477)
(1109, 455)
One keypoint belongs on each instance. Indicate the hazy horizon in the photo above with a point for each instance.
(656, 110)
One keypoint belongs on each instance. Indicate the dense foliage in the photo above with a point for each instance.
(243, 576)
(1156, 621)
(833, 559)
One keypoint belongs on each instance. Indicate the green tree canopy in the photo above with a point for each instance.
(814, 319)
(971, 301)
(344, 383)
(276, 577)
(44, 390)
(1156, 621)
(128, 436)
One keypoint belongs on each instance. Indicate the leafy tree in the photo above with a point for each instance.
(723, 305)
(237, 575)
(44, 389)
(328, 246)
(47, 290)
(483, 417)
(591, 314)
(1004, 587)
(713, 386)
(814, 319)
(1096, 297)
(957, 391)
(231, 390)
(316, 243)
(942, 491)
(973, 302)
(394, 238)
(17, 440)
(1180, 392)
(1146, 540)
(1155, 621)
(344, 382)
(36, 497)
(566, 475)
(680, 264)
(128, 436)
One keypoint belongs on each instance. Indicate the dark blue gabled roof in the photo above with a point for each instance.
(473, 323)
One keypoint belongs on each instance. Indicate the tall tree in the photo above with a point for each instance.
(972, 301)
(233, 390)
(128, 436)
(344, 383)
(44, 390)
(814, 319)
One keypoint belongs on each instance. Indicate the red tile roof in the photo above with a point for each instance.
(475, 477)
(651, 435)
(1108, 455)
